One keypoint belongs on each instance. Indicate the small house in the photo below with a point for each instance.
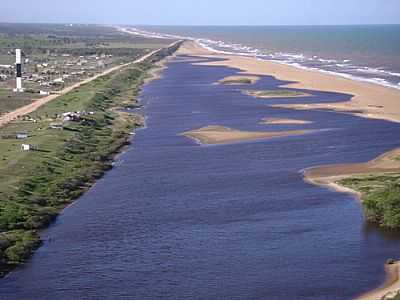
(21, 135)
(44, 93)
(58, 80)
(28, 147)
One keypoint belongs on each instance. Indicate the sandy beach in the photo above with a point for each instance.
(369, 100)
(222, 135)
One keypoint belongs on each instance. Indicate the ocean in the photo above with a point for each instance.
(367, 52)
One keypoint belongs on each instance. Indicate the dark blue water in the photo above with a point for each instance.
(176, 220)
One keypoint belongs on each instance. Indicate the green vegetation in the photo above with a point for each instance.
(10, 101)
(36, 185)
(237, 81)
(381, 197)
(276, 93)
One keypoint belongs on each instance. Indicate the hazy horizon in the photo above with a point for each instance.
(205, 13)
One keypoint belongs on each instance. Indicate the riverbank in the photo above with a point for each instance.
(390, 289)
(36, 185)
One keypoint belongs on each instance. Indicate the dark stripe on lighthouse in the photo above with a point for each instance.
(19, 70)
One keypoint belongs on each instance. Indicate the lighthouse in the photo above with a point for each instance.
(18, 69)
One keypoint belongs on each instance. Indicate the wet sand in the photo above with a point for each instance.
(279, 121)
(390, 288)
(271, 94)
(369, 100)
(222, 135)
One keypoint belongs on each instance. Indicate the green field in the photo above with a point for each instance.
(237, 81)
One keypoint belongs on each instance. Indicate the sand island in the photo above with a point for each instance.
(280, 93)
(282, 121)
(222, 135)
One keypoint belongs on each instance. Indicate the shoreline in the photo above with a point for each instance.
(372, 100)
(389, 289)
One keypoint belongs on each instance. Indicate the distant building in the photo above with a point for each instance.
(21, 135)
(28, 147)
(44, 93)
(72, 116)
(58, 80)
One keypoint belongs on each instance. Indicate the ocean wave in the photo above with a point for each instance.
(341, 68)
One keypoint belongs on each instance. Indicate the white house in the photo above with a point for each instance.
(44, 93)
(21, 135)
(28, 147)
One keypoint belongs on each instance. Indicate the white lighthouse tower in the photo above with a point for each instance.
(18, 69)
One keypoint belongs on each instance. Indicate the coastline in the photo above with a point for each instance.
(368, 99)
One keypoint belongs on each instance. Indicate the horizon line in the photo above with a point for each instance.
(196, 25)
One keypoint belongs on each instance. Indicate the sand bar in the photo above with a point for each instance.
(281, 121)
(372, 100)
(268, 94)
(222, 135)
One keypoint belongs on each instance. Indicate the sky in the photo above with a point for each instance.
(202, 12)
